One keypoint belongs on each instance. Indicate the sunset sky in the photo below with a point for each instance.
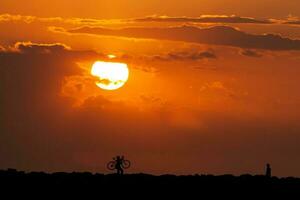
(213, 86)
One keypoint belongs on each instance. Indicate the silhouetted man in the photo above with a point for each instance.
(119, 162)
(268, 170)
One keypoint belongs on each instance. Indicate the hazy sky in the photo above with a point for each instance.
(134, 8)
(213, 86)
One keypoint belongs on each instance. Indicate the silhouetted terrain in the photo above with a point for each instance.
(202, 184)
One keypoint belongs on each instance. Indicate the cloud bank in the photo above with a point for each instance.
(218, 35)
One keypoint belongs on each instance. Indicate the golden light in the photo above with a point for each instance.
(111, 56)
(111, 75)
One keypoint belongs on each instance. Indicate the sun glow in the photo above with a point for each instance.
(111, 75)
(111, 56)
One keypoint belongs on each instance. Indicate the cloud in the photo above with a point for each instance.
(51, 49)
(217, 35)
(9, 18)
(73, 21)
(185, 56)
(28, 70)
(29, 47)
(250, 53)
(293, 22)
(32, 73)
(204, 19)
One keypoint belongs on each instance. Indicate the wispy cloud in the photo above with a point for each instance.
(74, 21)
(250, 53)
(205, 19)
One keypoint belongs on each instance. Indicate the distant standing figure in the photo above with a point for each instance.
(268, 170)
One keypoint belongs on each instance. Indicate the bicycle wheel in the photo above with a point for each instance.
(126, 164)
(111, 165)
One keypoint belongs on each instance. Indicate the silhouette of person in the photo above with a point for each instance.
(119, 162)
(268, 170)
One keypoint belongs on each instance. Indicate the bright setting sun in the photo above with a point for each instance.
(111, 75)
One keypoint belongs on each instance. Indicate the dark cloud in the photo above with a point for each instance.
(218, 35)
(204, 19)
(185, 56)
(293, 22)
(28, 47)
(54, 49)
(33, 112)
(250, 53)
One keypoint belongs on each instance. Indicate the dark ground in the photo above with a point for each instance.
(199, 185)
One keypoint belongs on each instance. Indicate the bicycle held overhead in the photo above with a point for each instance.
(118, 163)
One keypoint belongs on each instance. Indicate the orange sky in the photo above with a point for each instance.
(213, 86)
(134, 8)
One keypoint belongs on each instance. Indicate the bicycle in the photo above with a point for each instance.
(112, 164)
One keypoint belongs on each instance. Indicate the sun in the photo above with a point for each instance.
(112, 75)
